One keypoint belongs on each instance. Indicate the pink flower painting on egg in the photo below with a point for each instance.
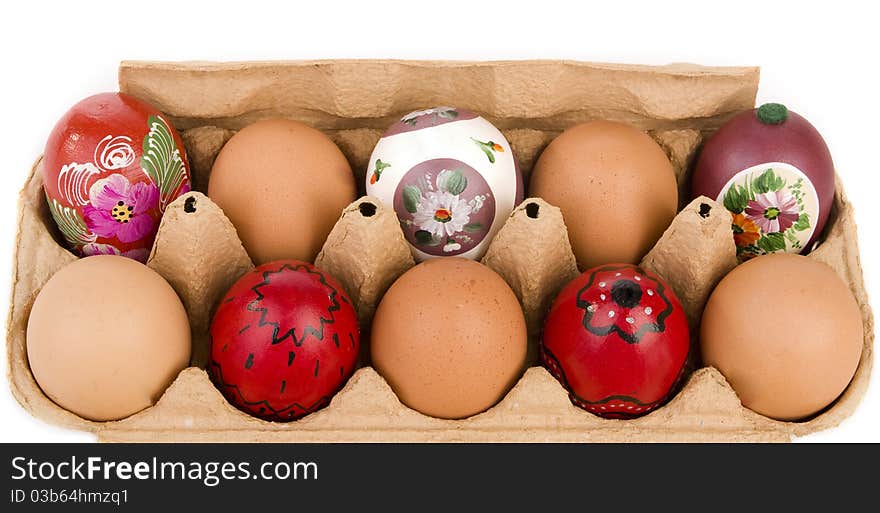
(94, 248)
(121, 209)
(773, 211)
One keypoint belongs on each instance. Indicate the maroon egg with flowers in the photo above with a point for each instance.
(617, 339)
(111, 166)
(773, 171)
(284, 340)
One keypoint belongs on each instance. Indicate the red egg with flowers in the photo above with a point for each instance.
(284, 340)
(111, 166)
(617, 339)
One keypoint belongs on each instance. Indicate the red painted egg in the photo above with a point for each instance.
(617, 339)
(111, 166)
(284, 340)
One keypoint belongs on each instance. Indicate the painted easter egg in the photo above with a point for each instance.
(111, 166)
(617, 339)
(771, 168)
(284, 340)
(450, 176)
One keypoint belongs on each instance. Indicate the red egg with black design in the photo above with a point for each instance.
(284, 340)
(617, 339)
(111, 166)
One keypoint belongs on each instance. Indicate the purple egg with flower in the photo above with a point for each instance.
(450, 176)
(111, 166)
(772, 170)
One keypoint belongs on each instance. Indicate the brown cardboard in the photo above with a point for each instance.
(532, 253)
(702, 232)
(199, 253)
(366, 252)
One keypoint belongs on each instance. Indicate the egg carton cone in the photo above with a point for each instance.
(199, 253)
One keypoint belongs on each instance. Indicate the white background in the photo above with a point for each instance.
(820, 61)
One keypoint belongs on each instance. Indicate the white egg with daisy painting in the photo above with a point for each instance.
(450, 176)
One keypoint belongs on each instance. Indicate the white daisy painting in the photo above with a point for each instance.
(445, 207)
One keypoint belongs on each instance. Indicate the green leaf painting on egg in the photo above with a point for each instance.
(489, 148)
(377, 171)
(803, 223)
(412, 196)
(162, 161)
(772, 242)
(452, 182)
(766, 182)
(71, 224)
(425, 238)
(736, 199)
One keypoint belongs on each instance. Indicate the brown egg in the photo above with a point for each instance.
(106, 336)
(449, 337)
(786, 332)
(615, 187)
(283, 185)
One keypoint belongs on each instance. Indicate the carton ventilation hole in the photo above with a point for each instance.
(367, 209)
(532, 210)
(189, 206)
(705, 208)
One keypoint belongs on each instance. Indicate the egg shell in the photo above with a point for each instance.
(284, 340)
(786, 332)
(93, 341)
(616, 189)
(449, 337)
(451, 177)
(783, 165)
(283, 184)
(111, 166)
(617, 339)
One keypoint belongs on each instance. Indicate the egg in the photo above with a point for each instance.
(617, 339)
(616, 189)
(283, 185)
(284, 340)
(106, 336)
(449, 336)
(111, 166)
(771, 168)
(786, 332)
(450, 176)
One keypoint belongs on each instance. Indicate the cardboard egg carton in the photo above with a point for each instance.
(198, 252)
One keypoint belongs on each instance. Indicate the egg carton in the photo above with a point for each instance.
(198, 251)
